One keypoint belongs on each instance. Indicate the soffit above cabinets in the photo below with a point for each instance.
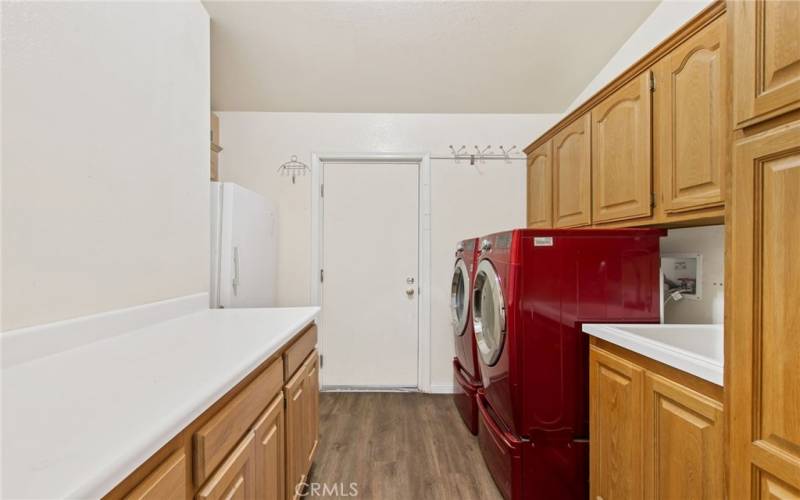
(412, 57)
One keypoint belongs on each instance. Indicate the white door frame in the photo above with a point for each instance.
(424, 259)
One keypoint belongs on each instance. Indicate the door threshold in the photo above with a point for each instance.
(367, 388)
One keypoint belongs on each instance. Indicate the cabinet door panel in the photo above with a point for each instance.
(691, 118)
(270, 452)
(616, 391)
(683, 442)
(540, 187)
(766, 55)
(235, 477)
(572, 175)
(621, 161)
(302, 423)
(764, 380)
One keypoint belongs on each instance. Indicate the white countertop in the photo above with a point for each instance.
(695, 349)
(77, 422)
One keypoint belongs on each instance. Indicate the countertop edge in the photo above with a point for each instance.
(165, 427)
(677, 358)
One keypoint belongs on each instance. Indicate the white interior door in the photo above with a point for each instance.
(370, 259)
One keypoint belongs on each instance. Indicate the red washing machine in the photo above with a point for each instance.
(533, 288)
(465, 364)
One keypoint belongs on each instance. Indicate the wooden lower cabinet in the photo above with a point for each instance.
(271, 452)
(683, 441)
(615, 433)
(256, 442)
(236, 477)
(302, 424)
(655, 433)
(167, 482)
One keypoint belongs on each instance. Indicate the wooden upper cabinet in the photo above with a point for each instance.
(691, 121)
(766, 59)
(764, 274)
(615, 401)
(540, 187)
(572, 174)
(167, 482)
(683, 442)
(621, 153)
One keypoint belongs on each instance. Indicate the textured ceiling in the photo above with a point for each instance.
(412, 57)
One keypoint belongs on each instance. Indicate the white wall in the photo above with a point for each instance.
(104, 156)
(665, 20)
(710, 242)
(492, 196)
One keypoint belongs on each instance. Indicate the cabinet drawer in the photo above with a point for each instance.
(219, 435)
(168, 481)
(299, 351)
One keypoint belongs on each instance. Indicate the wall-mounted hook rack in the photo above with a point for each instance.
(294, 168)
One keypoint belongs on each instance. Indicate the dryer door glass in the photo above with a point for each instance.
(459, 297)
(488, 313)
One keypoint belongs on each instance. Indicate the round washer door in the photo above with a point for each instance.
(489, 313)
(459, 297)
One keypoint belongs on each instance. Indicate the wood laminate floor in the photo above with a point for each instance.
(398, 446)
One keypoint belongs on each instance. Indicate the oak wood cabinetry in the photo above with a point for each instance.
(302, 424)
(683, 442)
(659, 139)
(270, 439)
(236, 476)
(246, 443)
(572, 174)
(763, 254)
(540, 186)
(167, 481)
(764, 347)
(615, 426)
(621, 145)
(691, 121)
(656, 432)
(766, 59)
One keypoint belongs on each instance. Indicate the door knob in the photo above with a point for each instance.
(410, 291)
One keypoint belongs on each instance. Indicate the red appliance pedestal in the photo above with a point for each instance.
(528, 470)
(465, 397)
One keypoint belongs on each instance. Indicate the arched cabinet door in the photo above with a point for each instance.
(621, 159)
(691, 120)
(540, 186)
(572, 175)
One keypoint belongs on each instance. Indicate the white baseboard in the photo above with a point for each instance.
(443, 389)
(24, 344)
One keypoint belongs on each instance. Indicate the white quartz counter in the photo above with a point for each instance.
(696, 349)
(77, 422)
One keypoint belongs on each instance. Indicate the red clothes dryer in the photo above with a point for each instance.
(533, 288)
(465, 364)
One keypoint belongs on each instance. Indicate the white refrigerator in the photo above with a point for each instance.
(244, 250)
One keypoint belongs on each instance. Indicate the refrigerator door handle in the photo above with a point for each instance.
(235, 281)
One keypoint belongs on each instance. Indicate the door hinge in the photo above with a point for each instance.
(321, 275)
(322, 190)
(321, 361)
(652, 82)
(652, 200)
